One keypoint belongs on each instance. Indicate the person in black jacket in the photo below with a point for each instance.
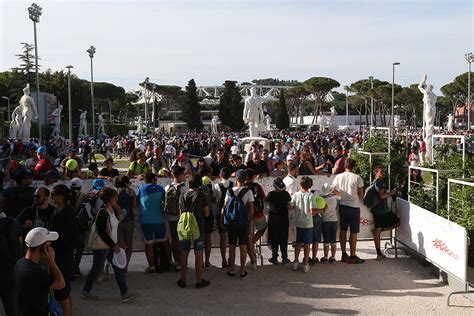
(63, 222)
(106, 225)
(10, 252)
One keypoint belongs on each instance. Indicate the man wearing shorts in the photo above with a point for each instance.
(151, 197)
(351, 187)
(384, 218)
(194, 201)
(238, 234)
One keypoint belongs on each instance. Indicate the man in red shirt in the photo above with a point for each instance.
(340, 161)
(44, 164)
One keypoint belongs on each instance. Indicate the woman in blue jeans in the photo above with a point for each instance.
(105, 217)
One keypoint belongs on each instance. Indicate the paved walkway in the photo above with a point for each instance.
(395, 286)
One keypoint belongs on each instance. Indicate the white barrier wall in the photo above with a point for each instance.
(439, 240)
(366, 218)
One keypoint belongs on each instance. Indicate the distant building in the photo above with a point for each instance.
(460, 115)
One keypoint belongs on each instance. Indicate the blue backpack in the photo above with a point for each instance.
(235, 212)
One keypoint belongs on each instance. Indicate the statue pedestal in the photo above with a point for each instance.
(247, 142)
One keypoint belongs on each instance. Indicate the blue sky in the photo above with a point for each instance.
(211, 41)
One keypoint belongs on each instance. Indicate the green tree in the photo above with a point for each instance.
(456, 91)
(27, 65)
(295, 97)
(231, 107)
(191, 108)
(320, 88)
(382, 94)
(282, 117)
(410, 105)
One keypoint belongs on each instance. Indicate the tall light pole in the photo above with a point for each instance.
(91, 52)
(34, 12)
(372, 115)
(147, 80)
(393, 91)
(69, 106)
(347, 106)
(470, 59)
(8, 106)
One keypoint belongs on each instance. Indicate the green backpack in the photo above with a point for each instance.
(188, 228)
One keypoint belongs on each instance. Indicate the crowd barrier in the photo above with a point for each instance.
(366, 218)
(438, 240)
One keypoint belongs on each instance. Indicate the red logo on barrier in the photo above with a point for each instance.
(439, 244)
(364, 221)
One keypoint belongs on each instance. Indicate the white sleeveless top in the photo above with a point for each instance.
(114, 224)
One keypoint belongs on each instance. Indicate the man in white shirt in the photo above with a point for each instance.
(290, 182)
(351, 187)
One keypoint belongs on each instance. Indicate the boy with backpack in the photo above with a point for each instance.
(278, 223)
(258, 223)
(173, 193)
(305, 206)
(235, 214)
(219, 193)
(194, 207)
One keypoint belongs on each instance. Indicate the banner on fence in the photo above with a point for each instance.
(439, 240)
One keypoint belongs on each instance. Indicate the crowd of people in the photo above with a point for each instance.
(213, 187)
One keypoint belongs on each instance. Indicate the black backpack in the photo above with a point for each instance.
(172, 196)
(257, 201)
(371, 196)
(87, 212)
(223, 194)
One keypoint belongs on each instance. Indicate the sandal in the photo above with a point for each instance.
(181, 284)
(203, 283)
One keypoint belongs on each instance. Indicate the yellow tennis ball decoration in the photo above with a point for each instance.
(320, 202)
(71, 164)
(161, 173)
(206, 180)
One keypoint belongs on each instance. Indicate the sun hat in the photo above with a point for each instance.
(327, 189)
(241, 174)
(279, 184)
(76, 183)
(38, 236)
(98, 184)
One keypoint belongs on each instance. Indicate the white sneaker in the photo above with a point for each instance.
(306, 268)
(254, 266)
(295, 266)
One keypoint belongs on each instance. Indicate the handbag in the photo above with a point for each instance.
(95, 242)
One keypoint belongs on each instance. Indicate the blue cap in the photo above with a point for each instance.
(41, 150)
(241, 174)
(98, 184)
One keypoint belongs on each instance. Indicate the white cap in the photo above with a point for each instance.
(326, 189)
(38, 236)
(290, 157)
(120, 259)
(76, 183)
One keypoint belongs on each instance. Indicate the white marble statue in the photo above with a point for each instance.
(140, 125)
(268, 122)
(332, 121)
(28, 112)
(57, 120)
(429, 113)
(15, 123)
(450, 123)
(396, 121)
(101, 128)
(83, 123)
(214, 122)
(253, 113)
(322, 122)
